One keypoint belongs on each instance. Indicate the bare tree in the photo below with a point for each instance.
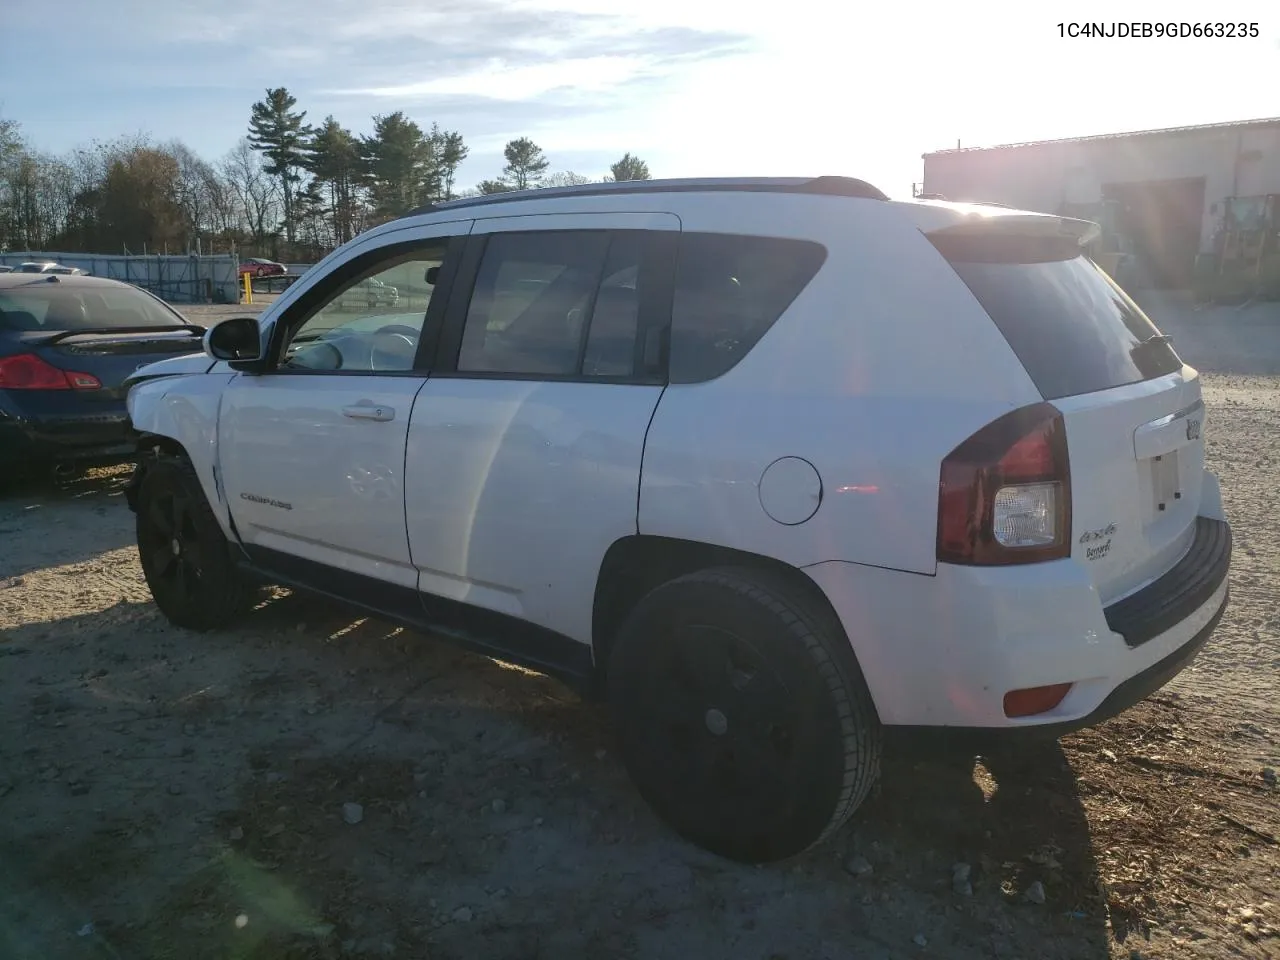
(197, 192)
(37, 194)
(12, 149)
(224, 209)
(257, 193)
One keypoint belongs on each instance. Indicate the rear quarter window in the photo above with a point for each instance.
(1071, 326)
(729, 290)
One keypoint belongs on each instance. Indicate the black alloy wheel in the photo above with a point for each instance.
(741, 714)
(185, 556)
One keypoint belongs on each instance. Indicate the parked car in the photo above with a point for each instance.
(67, 343)
(259, 267)
(47, 266)
(5, 268)
(776, 466)
(369, 294)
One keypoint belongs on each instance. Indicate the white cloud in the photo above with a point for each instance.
(499, 80)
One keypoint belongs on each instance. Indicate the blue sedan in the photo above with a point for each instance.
(67, 345)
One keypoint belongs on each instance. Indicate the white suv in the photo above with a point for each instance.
(779, 466)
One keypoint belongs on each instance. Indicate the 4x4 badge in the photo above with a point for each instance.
(1089, 536)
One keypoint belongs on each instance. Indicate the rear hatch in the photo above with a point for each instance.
(1133, 411)
(111, 355)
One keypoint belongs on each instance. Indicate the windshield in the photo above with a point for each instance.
(42, 306)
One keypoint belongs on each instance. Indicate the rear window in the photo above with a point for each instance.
(1072, 327)
(43, 306)
(729, 291)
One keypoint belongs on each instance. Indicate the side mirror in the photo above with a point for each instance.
(432, 275)
(234, 339)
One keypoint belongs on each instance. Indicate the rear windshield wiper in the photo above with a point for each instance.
(61, 335)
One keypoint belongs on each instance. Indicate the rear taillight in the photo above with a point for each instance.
(1004, 495)
(26, 371)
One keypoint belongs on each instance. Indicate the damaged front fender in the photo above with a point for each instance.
(173, 414)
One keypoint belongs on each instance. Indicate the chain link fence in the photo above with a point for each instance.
(177, 279)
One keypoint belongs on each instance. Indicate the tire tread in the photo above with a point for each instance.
(813, 626)
(859, 724)
(232, 592)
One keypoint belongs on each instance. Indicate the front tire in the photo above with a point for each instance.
(185, 557)
(741, 714)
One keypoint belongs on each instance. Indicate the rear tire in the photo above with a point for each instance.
(185, 557)
(741, 714)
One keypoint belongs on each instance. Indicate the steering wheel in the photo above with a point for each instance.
(396, 356)
(323, 354)
(400, 329)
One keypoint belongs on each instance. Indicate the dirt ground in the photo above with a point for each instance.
(171, 795)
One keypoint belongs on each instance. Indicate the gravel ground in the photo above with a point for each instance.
(313, 785)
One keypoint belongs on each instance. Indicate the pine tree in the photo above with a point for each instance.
(526, 163)
(402, 165)
(333, 158)
(450, 151)
(630, 168)
(279, 132)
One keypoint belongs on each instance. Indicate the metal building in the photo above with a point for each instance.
(1174, 204)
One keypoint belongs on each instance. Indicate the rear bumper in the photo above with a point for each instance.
(97, 432)
(1141, 685)
(1190, 584)
(1130, 692)
(940, 653)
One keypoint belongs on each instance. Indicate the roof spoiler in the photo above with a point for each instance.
(985, 220)
(49, 339)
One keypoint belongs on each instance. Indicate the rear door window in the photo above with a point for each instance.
(615, 316)
(531, 301)
(730, 289)
(1074, 330)
(556, 304)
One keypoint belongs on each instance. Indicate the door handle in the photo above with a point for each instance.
(369, 411)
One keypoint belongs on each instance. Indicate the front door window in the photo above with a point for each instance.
(373, 323)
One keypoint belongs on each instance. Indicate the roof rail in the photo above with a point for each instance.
(826, 186)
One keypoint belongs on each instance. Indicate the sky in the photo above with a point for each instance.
(694, 87)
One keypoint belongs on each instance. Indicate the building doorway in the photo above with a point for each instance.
(1161, 220)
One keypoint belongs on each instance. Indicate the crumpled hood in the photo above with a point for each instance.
(192, 364)
(175, 366)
